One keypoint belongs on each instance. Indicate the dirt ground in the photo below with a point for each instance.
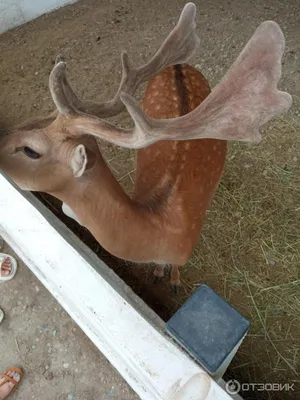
(249, 248)
(59, 361)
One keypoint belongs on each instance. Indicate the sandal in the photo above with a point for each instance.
(13, 271)
(7, 379)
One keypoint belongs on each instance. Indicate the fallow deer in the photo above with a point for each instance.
(177, 176)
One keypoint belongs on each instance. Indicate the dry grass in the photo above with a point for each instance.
(250, 252)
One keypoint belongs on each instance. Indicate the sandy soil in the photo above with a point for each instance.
(58, 360)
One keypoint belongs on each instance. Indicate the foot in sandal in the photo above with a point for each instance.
(9, 381)
(5, 267)
(8, 267)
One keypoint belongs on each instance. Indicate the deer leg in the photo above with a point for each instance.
(175, 278)
(159, 272)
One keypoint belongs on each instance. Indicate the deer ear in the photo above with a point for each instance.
(79, 161)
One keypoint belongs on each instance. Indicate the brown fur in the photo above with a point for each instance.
(182, 175)
(175, 179)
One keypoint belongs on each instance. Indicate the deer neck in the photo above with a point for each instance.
(118, 223)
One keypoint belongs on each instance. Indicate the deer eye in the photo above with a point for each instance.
(31, 153)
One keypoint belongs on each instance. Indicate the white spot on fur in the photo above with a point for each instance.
(70, 213)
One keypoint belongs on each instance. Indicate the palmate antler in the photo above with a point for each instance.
(178, 47)
(246, 99)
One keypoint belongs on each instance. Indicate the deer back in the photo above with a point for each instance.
(179, 175)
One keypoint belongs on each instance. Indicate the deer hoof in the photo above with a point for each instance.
(175, 287)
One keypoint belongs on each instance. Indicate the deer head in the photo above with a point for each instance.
(42, 156)
(48, 153)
